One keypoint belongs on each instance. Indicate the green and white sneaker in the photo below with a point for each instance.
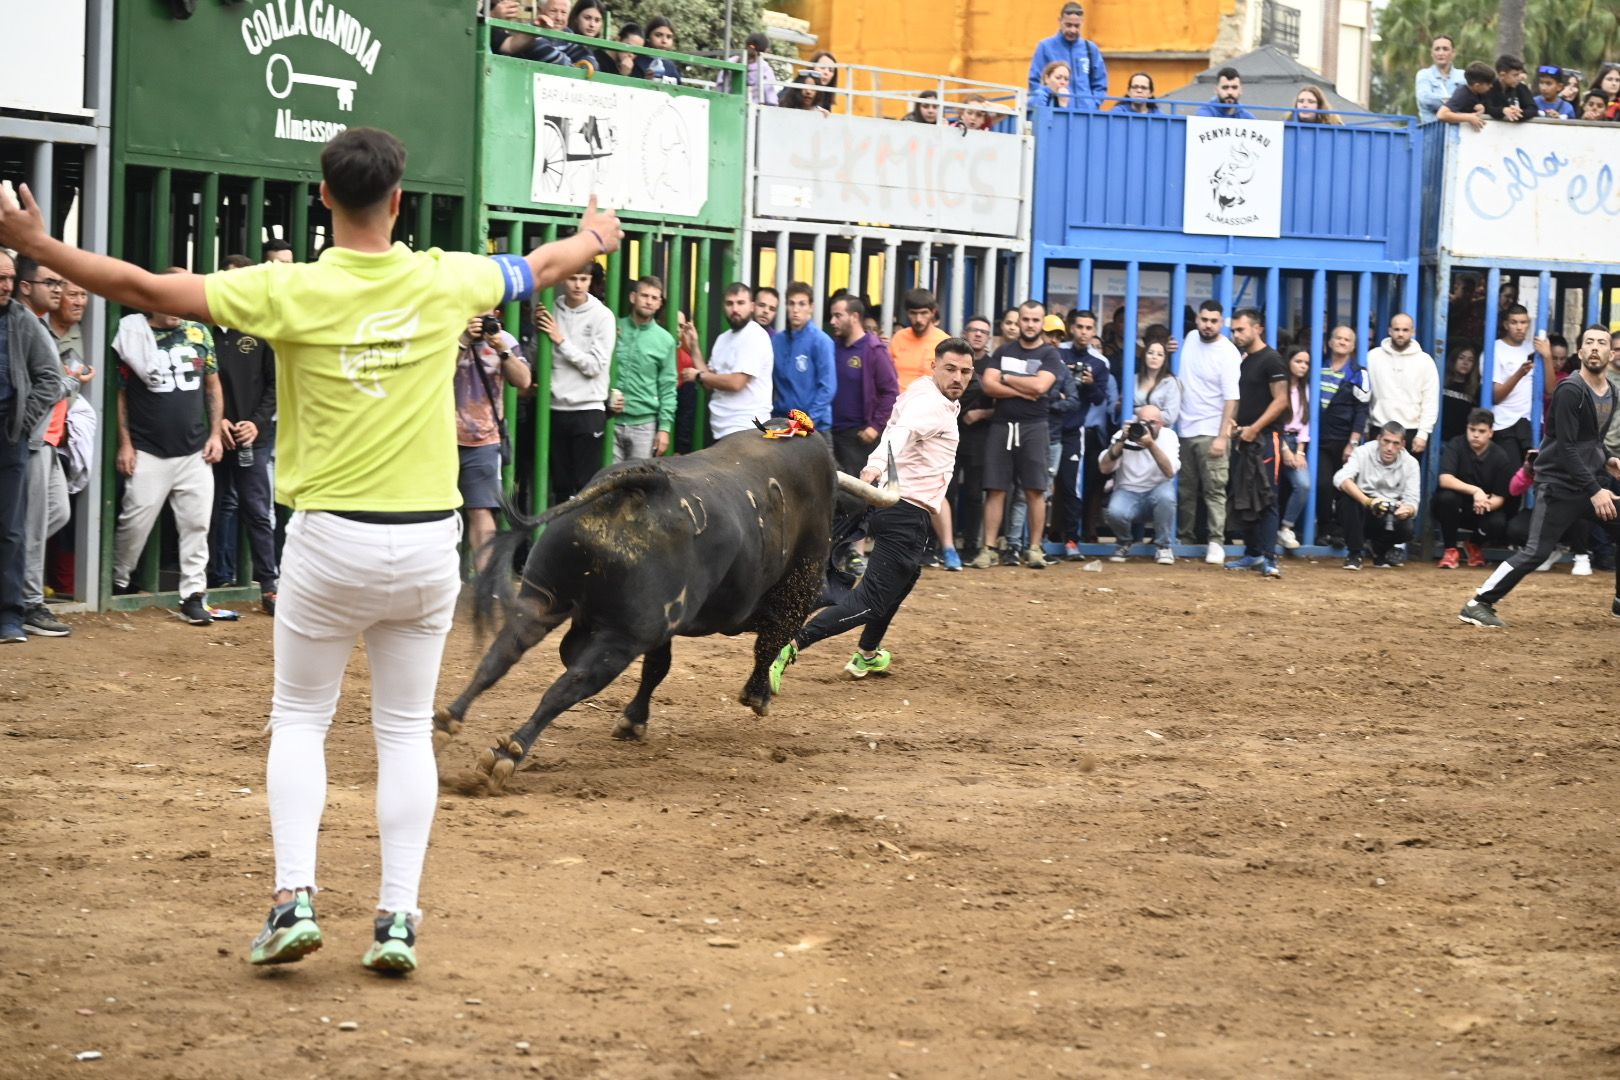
(789, 654)
(860, 666)
(395, 946)
(289, 933)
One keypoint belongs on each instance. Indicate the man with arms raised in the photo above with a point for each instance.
(365, 341)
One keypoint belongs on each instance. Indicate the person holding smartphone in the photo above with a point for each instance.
(1513, 368)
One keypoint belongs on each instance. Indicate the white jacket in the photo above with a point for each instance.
(582, 365)
(1405, 387)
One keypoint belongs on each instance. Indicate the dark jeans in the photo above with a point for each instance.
(1361, 528)
(1455, 512)
(1516, 440)
(685, 418)
(849, 451)
(1091, 492)
(242, 496)
(967, 490)
(900, 535)
(13, 511)
(576, 450)
(1066, 505)
(1550, 518)
(1577, 536)
(1260, 535)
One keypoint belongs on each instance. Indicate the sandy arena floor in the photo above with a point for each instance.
(1150, 821)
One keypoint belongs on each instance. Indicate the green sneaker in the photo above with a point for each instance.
(789, 653)
(289, 933)
(395, 947)
(860, 666)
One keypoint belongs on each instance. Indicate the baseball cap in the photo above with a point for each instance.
(1052, 323)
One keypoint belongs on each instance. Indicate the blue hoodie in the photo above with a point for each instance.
(804, 376)
(1088, 72)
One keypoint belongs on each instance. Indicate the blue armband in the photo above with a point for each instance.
(518, 276)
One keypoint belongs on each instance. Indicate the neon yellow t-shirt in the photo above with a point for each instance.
(365, 361)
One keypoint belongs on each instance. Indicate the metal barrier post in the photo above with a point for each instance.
(541, 490)
(1487, 350)
(1317, 321)
(1127, 344)
(1540, 377)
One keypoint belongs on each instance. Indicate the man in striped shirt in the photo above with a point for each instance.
(922, 436)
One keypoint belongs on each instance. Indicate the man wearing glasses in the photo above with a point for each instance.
(42, 291)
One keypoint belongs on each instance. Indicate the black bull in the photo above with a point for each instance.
(730, 540)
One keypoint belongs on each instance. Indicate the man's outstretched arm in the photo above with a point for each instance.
(22, 227)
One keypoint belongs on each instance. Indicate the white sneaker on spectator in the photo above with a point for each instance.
(1121, 553)
(1547, 565)
(1214, 554)
(1165, 557)
(1582, 567)
(1286, 537)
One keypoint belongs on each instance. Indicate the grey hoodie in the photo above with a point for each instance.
(583, 364)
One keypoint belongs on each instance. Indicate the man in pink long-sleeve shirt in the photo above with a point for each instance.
(922, 435)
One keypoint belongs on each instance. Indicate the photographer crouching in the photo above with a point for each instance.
(1382, 481)
(1143, 458)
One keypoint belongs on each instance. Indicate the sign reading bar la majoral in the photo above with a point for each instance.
(268, 82)
(1232, 185)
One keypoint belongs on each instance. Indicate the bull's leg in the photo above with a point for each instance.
(654, 666)
(521, 633)
(600, 660)
(786, 608)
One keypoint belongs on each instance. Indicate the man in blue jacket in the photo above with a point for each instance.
(804, 377)
(1228, 94)
(1088, 73)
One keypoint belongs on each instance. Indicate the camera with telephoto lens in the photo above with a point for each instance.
(1136, 430)
(490, 326)
(1382, 508)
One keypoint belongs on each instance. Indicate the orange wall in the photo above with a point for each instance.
(992, 40)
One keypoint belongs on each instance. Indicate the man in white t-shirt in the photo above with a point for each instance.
(737, 374)
(1513, 367)
(1209, 365)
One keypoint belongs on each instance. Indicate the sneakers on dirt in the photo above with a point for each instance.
(1480, 613)
(1352, 562)
(860, 666)
(1475, 553)
(39, 620)
(789, 653)
(1450, 559)
(1286, 537)
(194, 610)
(951, 559)
(985, 559)
(1247, 562)
(394, 949)
(289, 933)
(1034, 557)
(1164, 557)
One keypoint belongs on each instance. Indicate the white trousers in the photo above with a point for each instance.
(187, 485)
(48, 512)
(395, 586)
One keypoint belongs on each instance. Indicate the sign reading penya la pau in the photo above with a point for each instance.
(268, 82)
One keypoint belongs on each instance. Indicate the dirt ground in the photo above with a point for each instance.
(1162, 821)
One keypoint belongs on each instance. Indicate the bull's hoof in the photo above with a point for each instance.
(498, 763)
(629, 731)
(760, 703)
(445, 725)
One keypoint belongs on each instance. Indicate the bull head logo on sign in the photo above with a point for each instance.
(1233, 175)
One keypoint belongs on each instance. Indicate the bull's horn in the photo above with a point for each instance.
(887, 495)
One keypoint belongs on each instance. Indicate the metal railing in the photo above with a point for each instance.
(1185, 107)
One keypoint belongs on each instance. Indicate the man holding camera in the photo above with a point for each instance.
(582, 332)
(1569, 476)
(488, 359)
(1382, 482)
(1143, 458)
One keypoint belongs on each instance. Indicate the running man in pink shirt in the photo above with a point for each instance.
(921, 435)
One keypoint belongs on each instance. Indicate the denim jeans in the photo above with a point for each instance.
(1126, 508)
(1299, 486)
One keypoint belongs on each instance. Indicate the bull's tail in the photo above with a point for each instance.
(495, 579)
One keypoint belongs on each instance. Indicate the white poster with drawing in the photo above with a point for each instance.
(645, 151)
(857, 169)
(1534, 191)
(1233, 182)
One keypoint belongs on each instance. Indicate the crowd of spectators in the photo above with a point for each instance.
(1479, 92)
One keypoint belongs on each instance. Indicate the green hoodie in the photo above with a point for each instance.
(644, 371)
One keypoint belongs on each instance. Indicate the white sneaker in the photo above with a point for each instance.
(1165, 557)
(1215, 555)
(1286, 537)
(1582, 567)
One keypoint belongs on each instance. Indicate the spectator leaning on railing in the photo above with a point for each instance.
(1466, 105)
(1139, 95)
(1088, 71)
(1510, 99)
(1437, 83)
(1549, 101)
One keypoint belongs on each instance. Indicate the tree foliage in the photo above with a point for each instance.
(699, 24)
(1579, 34)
